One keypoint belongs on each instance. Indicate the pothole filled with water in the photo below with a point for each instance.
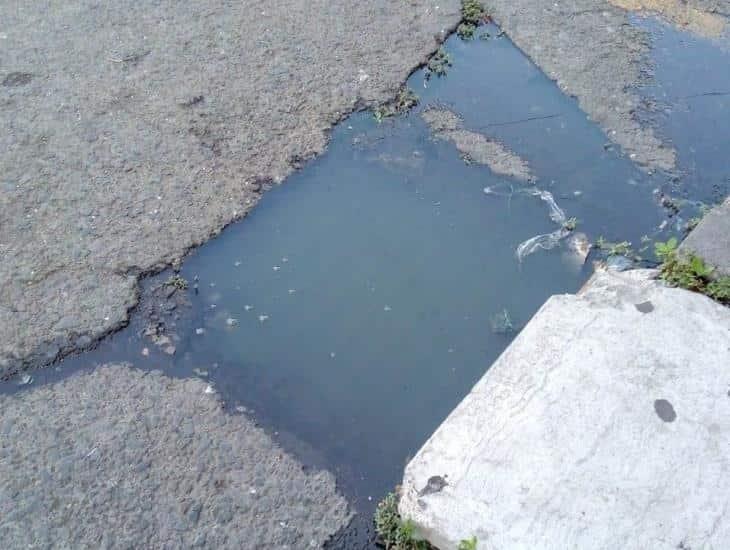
(361, 300)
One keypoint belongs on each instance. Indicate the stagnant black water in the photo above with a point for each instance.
(354, 308)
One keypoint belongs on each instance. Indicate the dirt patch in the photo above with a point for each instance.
(681, 13)
(476, 147)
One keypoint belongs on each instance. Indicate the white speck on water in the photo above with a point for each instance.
(450, 350)
(237, 263)
(333, 354)
(252, 491)
(292, 291)
(577, 193)
(209, 389)
(276, 268)
(248, 307)
(231, 321)
(285, 259)
(200, 372)
(241, 408)
(199, 331)
(387, 308)
(212, 306)
(212, 285)
(24, 380)
(145, 351)
(263, 318)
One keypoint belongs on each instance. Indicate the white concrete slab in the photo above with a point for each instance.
(606, 424)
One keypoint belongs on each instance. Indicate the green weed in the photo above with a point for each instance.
(438, 64)
(177, 282)
(468, 544)
(622, 248)
(690, 272)
(393, 532)
(472, 15)
(403, 102)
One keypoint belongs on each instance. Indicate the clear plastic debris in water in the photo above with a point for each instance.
(248, 307)
(263, 318)
(24, 380)
(502, 323)
(387, 308)
(231, 322)
(545, 241)
(199, 331)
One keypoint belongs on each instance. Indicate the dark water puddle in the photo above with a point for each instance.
(353, 309)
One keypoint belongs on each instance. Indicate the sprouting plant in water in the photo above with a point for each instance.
(502, 323)
(468, 544)
(438, 64)
(570, 224)
(393, 532)
(690, 272)
(472, 15)
(692, 223)
(622, 248)
(404, 101)
(719, 290)
(466, 31)
(177, 282)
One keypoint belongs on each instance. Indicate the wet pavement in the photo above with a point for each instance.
(358, 302)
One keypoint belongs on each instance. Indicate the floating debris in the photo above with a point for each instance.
(579, 246)
(200, 372)
(209, 389)
(545, 241)
(387, 308)
(24, 380)
(237, 263)
(292, 291)
(276, 268)
(263, 318)
(199, 331)
(248, 307)
(145, 351)
(502, 323)
(231, 322)
(169, 350)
